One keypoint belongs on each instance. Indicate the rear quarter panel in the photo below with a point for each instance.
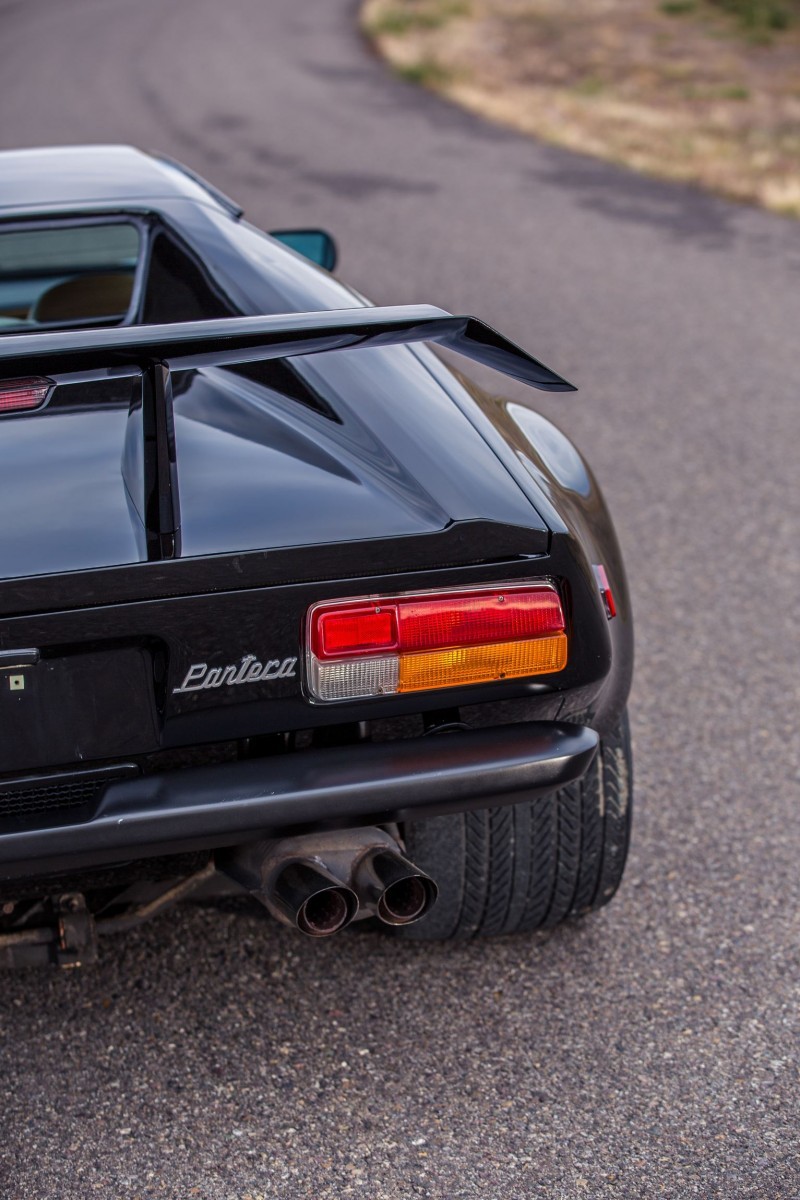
(562, 487)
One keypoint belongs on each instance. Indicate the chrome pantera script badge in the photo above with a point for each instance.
(250, 671)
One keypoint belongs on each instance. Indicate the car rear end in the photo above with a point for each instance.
(247, 643)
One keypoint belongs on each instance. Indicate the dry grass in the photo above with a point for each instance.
(681, 89)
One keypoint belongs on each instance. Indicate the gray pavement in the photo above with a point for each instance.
(652, 1050)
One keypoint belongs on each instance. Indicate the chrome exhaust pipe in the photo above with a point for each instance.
(294, 884)
(309, 899)
(320, 882)
(392, 887)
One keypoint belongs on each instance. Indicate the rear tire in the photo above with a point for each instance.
(529, 865)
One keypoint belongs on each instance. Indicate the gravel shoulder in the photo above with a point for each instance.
(677, 90)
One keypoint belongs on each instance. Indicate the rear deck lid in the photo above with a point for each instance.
(373, 448)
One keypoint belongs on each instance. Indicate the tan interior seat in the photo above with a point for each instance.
(87, 297)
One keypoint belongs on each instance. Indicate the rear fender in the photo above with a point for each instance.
(562, 488)
(572, 503)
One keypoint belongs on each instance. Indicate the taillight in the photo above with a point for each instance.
(19, 395)
(376, 646)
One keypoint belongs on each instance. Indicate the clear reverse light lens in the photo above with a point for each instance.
(354, 678)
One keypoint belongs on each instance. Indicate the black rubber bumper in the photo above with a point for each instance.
(353, 785)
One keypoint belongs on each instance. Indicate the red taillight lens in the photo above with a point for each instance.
(19, 395)
(507, 616)
(361, 629)
(412, 624)
(386, 645)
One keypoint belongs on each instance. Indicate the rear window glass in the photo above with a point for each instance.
(71, 275)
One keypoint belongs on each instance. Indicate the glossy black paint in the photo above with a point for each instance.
(268, 622)
(259, 339)
(244, 467)
(482, 543)
(169, 510)
(247, 471)
(555, 476)
(62, 479)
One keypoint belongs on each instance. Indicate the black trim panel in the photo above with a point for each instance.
(390, 781)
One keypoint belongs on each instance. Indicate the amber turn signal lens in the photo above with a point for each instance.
(482, 664)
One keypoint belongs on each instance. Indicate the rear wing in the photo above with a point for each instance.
(250, 339)
(149, 467)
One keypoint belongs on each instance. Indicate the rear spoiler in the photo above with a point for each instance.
(157, 350)
(254, 339)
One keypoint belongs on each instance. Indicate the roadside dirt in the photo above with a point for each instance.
(677, 89)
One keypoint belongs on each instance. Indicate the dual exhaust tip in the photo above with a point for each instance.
(320, 882)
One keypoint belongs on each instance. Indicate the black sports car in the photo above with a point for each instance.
(287, 607)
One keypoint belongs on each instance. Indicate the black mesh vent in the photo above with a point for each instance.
(20, 798)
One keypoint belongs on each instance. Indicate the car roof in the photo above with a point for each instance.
(62, 177)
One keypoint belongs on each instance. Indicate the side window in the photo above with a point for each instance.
(60, 275)
(176, 289)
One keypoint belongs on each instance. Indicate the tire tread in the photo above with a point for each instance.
(527, 866)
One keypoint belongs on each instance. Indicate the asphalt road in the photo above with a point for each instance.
(652, 1050)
